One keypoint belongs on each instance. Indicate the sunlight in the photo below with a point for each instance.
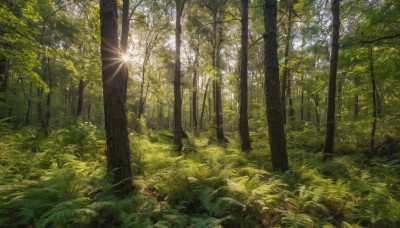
(125, 58)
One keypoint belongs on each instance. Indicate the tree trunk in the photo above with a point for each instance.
(194, 93)
(3, 75)
(218, 93)
(243, 117)
(177, 80)
(80, 97)
(302, 97)
(357, 83)
(88, 112)
(277, 138)
(340, 94)
(286, 68)
(289, 95)
(141, 99)
(28, 111)
(114, 94)
(316, 104)
(372, 141)
(330, 115)
(46, 122)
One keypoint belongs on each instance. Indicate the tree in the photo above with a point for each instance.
(114, 95)
(243, 118)
(277, 138)
(330, 115)
(286, 71)
(178, 130)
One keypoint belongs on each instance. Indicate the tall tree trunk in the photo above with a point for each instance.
(209, 109)
(195, 86)
(330, 115)
(277, 138)
(3, 75)
(309, 110)
(316, 104)
(88, 112)
(80, 97)
(289, 96)
(114, 93)
(372, 140)
(28, 111)
(302, 97)
(243, 117)
(41, 119)
(177, 80)
(357, 83)
(47, 115)
(46, 122)
(218, 93)
(286, 68)
(141, 99)
(340, 94)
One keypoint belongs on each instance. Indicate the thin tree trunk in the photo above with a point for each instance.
(88, 113)
(316, 104)
(195, 84)
(302, 97)
(28, 111)
(114, 94)
(243, 117)
(177, 81)
(277, 138)
(218, 93)
(141, 99)
(286, 68)
(3, 75)
(374, 102)
(80, 97)
(330, 115)
(289, 95)
(357, 83)
(340, 95)
(47, 115)
(309, 109)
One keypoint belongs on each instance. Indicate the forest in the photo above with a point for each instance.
(200, 113)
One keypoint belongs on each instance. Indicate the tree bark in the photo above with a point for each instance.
(46, 122)
(357, 83)
(286, 68)
(289, 96)
(141, 99)
(302, 97)
(243, 117)
(114, 94)
(28, 111)
(218, 93)
(374, 102)
(195, 86)
(89, 109)
(340, 95)
(277, 138)
(330, 115)
(177, 80)
(80, 97)
(3, 75)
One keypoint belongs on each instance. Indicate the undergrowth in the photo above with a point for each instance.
(59, 182)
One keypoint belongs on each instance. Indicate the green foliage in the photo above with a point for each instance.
(211, 186)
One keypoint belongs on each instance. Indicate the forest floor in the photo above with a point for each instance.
(59, 182)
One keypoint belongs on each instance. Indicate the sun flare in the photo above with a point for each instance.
(125, 58)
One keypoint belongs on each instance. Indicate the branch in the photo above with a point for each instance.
(380, 38)
(134, 8)
(251, 45)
